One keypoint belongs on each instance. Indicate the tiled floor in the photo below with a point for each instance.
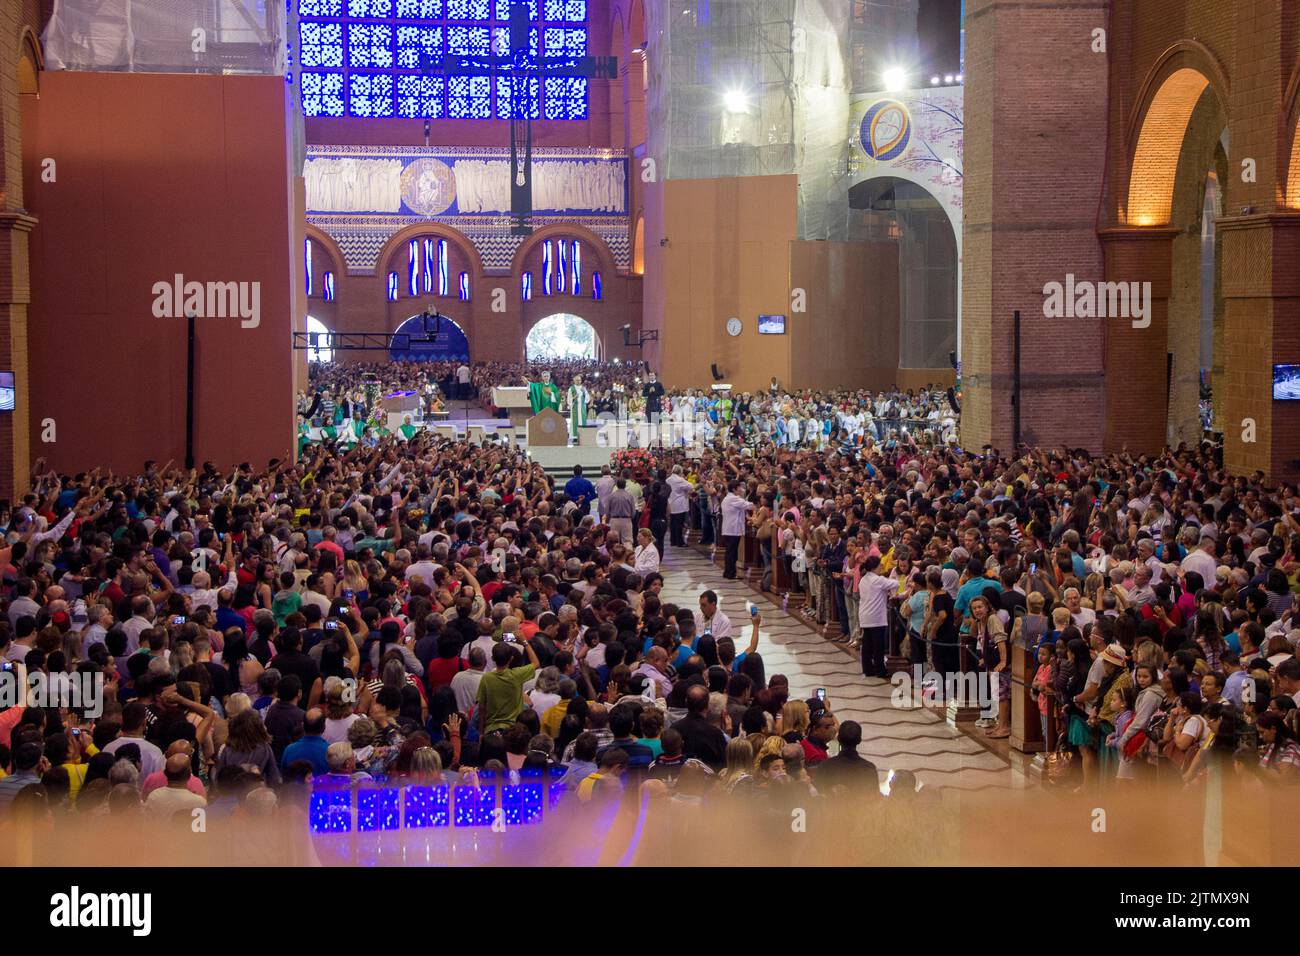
(893, 738)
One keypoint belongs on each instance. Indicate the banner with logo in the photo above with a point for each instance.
(915, 135)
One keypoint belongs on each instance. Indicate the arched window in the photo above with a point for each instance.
(320, 351)
(561, 336)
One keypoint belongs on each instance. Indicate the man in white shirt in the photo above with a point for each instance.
(874, 593)
(462, 382)
(142, 612)
(165, 802)
(679, 506)
(1082, 616)
(423, 567)
(710, 620)
(734, 510)
(1202, 561)
(465, 684)
(203, 594)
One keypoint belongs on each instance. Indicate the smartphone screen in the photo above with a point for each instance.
(821, 693)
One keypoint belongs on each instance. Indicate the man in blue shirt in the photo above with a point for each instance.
(579, 489)
(974, 586)
(311, 746)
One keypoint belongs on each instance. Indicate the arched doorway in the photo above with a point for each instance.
(320, 350)
(438, 339)
(561, 336)
(1177, 184)
(903, 212)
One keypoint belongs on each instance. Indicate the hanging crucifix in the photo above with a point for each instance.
(519, 65)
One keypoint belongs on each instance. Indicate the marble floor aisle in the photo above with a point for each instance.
(893, 738)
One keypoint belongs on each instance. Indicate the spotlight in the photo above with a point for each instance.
(934, 81)
(958, 77)
(895, 78)
(947, 77)
(735, 101)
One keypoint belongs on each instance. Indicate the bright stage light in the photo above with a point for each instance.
(735, 101)
(947, 78)
(934, 81)
(895, 78)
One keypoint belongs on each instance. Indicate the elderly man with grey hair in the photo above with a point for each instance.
(342, 762)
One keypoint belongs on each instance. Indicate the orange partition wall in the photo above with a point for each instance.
(135, 180)
(727, 254)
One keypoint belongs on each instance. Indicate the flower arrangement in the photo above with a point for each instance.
(636, 461)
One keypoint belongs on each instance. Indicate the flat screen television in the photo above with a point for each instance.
(6, 391)
(1286, 383)
(771, 325)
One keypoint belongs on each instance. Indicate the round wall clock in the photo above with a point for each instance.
(734, 326)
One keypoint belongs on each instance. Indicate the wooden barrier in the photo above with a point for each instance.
(1026, 728)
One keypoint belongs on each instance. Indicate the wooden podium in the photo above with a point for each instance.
(548, 429)
(516, 403)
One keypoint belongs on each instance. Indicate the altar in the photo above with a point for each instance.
(515, 402)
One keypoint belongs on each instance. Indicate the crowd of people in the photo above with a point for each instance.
(346, 399)
(413, 609)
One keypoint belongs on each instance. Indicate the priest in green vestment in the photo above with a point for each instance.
(579, 398)
(544, 394)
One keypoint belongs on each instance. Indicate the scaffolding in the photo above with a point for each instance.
(167, 36)
(753, 88)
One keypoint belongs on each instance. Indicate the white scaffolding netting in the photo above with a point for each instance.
(786, 62)
(167, 36)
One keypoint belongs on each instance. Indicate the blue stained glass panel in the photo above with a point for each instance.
(503, 9)
(468, 41)
(566, 97)
(501, 42)
(521, 804)
(322, 93)
(330, 811)
(346, 46)
(525, 97)
(427, 807)
(469, 97)
(370, 94)
(320, 8)
(420, 97)
(370, 8)
(414, 40)
(467, 9)
(320, 44)
(370, 45)
(419, 9)
(379, 809)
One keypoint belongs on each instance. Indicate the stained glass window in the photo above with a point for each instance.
(373, 58)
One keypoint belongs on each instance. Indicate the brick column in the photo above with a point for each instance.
(15, 295)
(1034, 163)
(1261, 291)
(1137, 381)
